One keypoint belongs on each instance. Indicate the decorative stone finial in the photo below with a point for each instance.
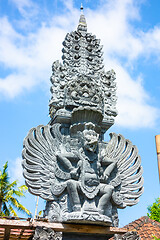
(82, 26)
(81, 8)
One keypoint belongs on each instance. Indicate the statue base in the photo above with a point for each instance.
(70, 231)
(87, 218)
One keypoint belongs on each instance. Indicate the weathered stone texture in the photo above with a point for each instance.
(66, 162)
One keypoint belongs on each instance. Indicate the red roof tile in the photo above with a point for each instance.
(145, 227)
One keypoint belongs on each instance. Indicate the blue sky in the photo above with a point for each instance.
(31, 35)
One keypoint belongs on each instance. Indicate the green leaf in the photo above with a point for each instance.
(154, 210)
(8, 193)
(40, 212)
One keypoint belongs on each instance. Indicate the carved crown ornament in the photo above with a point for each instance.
(81, 80)
(67, 163)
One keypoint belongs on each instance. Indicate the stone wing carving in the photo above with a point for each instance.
(127, 178)
(40, 162)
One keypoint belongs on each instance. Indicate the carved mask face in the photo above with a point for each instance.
(90, 138)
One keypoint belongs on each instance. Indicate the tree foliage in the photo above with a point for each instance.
(9, 193)
(154, 210)
(156, 238)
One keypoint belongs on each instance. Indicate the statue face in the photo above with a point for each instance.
(90, 138)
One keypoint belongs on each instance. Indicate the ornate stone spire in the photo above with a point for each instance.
(82, 26)
(81, 81)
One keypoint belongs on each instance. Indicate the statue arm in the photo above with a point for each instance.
(65, 159)
(111, 164)
(106, 160)
(109, 169)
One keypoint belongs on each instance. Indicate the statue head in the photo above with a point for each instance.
(90, 137)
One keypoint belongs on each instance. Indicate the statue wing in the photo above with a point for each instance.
(128, 181)
(41, 170)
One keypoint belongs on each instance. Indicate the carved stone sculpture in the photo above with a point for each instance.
(128, 236)
(43, 233)
(66, 162)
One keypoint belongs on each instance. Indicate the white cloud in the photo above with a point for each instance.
(27, 8)
(151, 41)
(16, 171)
(132, 102)
(29, 57)
(112, 25)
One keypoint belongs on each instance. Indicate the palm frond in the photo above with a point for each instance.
(5, 166)
(9, 192)
(2, 214)
(14, 192)
(4, 173)
(4, 179)
(23, 188)
(5, 209)
(14, 202)
(12, 211)
(12, 185)
(18, 193)
(24, 209)
(19, 206)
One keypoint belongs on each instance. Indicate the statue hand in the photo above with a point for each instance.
(104, 178)
(74, 174)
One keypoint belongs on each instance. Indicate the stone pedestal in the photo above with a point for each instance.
(59, 231)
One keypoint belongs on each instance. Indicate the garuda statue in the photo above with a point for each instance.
(67, 163)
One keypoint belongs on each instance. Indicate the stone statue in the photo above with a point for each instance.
(43, 233)
(66, 162)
